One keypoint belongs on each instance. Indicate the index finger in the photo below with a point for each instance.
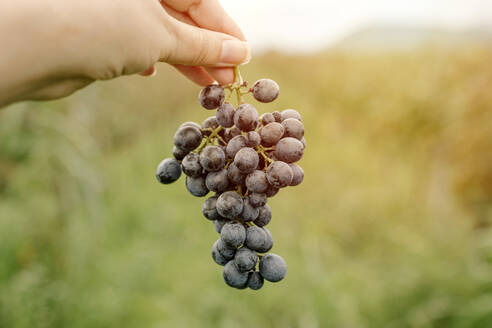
(207, 14)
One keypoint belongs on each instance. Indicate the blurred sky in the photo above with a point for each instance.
(306, 25)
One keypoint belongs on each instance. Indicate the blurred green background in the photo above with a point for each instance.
(391, 227)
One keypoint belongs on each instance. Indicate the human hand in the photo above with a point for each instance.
(55, 47)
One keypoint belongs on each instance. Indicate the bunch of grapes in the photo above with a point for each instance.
(244, 159)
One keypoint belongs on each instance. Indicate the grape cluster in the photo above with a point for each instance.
(244, 159)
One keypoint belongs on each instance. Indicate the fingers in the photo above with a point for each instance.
(208, 14)
(151, 71)
(223, 75)
(59, 89)
(196, 74)
(200, 47)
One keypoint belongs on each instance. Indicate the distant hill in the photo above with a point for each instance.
(406, 38)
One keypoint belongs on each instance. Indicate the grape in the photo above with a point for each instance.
(246, 117)
(212, 96)
(249, 213)
(235, 176)
(253, 139)
(298, 174)
(268, 242)
(271, 191)
(218, 258)
(233, 277)
(257, 182)
(187, 138)
(256, 238)
(209, 123)
(233, 234)
(168, 171)
(245, 259)
(265, 90)
(289, 150)
(255, 280)
(225, 115)
(209, 210)
(264, 216)
(191, 165)
(179, 154)
(229, 204)
(217, 181)
(218, 224)
(293, 128)
(267, 118)
(257, 200)
(225, 250)
(273, 267)
(271, 133)
(231, 133)
(196, 186)
(279, 174)
(236, 144)
(212, 158)
(291, 113)
(246, 160)
(277, 116)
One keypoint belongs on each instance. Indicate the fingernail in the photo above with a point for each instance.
(234, 52)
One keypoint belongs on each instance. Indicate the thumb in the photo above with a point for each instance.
(200, 47)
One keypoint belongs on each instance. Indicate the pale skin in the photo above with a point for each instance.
(51, 48)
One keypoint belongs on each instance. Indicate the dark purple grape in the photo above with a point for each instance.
(271, 191)
(212, 96)
(168, 171)
(249, 212)
(267, 118)
(293, 128)
(265, 90)
(188, 138)
(217, 257)
(246, 160)
(233, 277)
(279, 174)
(277, 116)
(257, 182)
(291, 113)
(245, 259)
(289, 150)
(256, 238)
(212, 158)
(235, 176)
(257, 200)
(218, 224)
(178, 153)
(233, 234)
(264, 216)
(230, 205)
(225, 250)
(209, 210)
(231, 133)
(196, 186)
(271, 133)
(246, 117)
(253, 139)
(217, 181)
(191, 165)
(225, 115)
(236, 143)
(209, 123)
(255, 280)
(268, 242)
(298, 174)
(273, 267)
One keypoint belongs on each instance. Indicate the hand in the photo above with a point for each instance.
(54, 47)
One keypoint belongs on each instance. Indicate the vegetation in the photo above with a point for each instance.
(390, 228)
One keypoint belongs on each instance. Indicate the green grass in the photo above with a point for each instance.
(391, 227)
